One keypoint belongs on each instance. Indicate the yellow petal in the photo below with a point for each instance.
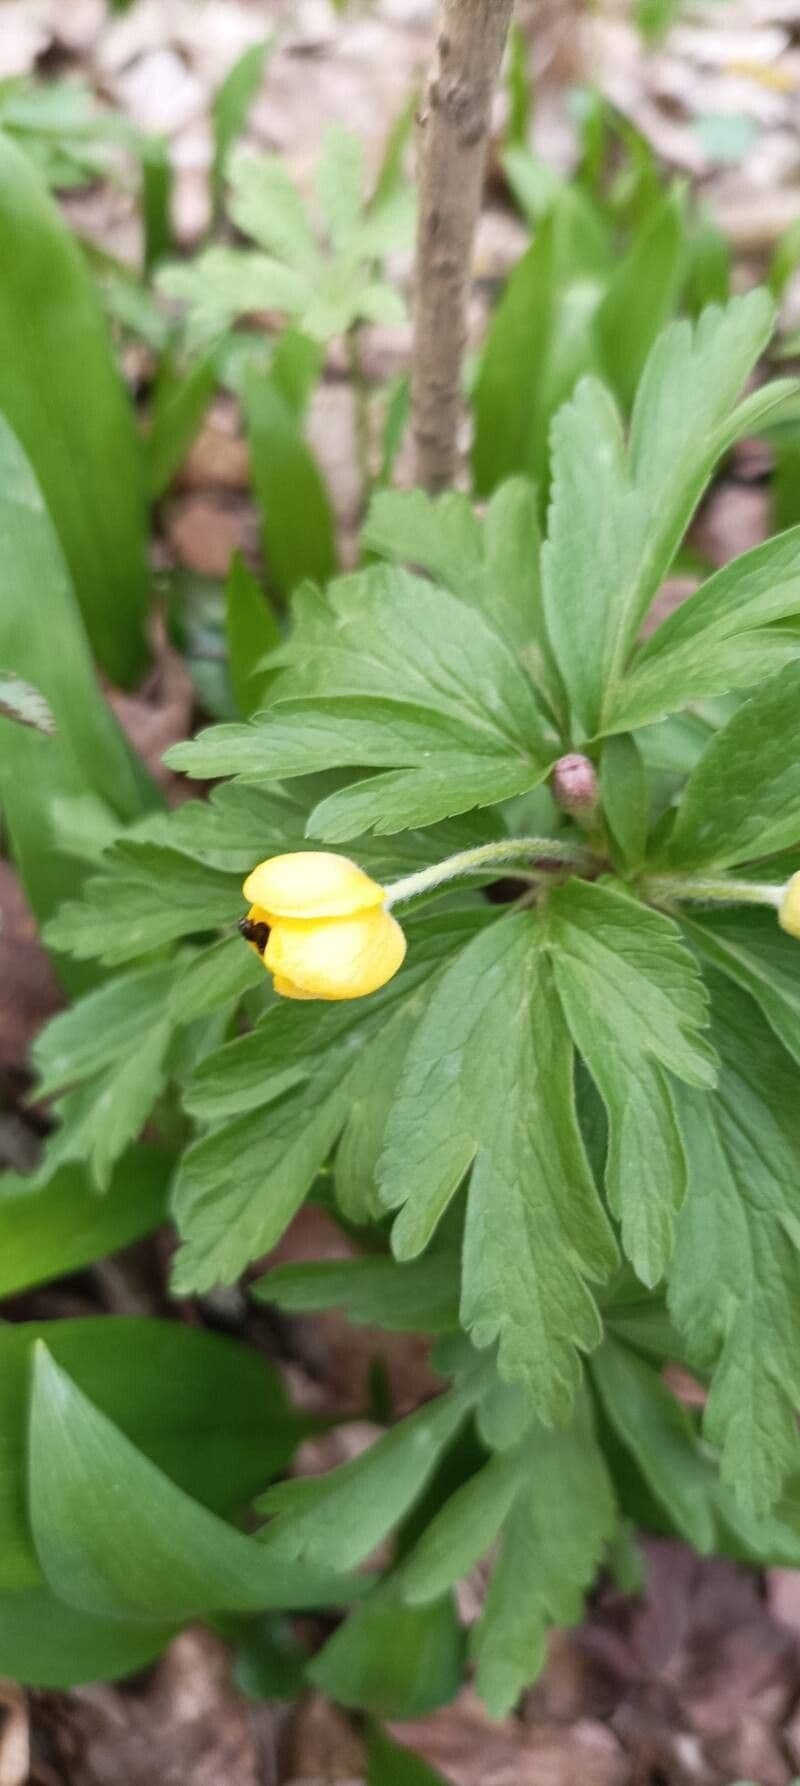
(311, 884)
(789, 908)
(335, 958)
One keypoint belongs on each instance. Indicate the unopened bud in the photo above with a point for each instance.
(789, 908)
(574, 785)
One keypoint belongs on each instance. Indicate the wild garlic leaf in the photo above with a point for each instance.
(590, 561)
(743, 798)
(288, 1087)
(389, 672)
(147, 895)
(392, 1660)
(636, 1009)
(486, 1089)
(757, 955)
(117, 1538)
(727, 635)
(735, 1274)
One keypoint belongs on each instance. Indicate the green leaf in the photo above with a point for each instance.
(44, 1643)
(296, 515)
(20, 701)
(223, 283)
(340, 182)
(487, 1087)
(208, 1412)
(149, 896)
(156, 200)
(231, 106)
(635, 1005)
(659, 1433)
(178, 411)
(252, 631)
(347, 1512)
(216, 976)
(624, 797)
(42, 640)
(727, 635)
(266, 205)
(419, 1297)
(551, 1500)
(641, 297)
(105, 1026)
(735, 1277)
(389, 671)
(591, 560)
(49, 1230)
(493, 565)
(61, 393)
(743, 798)
(292, 1078)
(116, 1538)
(392, 1660)
(757, 955)
(684, 419)
(392, 1764)
(553, 1544)
(539, 342)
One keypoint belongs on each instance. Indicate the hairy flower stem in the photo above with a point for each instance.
(525, 850)
(717, 890)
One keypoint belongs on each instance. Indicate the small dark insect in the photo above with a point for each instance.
(254, 933)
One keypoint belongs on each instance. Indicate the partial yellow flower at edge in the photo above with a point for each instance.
(328, 934)
(789, 908)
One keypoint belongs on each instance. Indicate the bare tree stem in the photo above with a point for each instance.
(455, 131)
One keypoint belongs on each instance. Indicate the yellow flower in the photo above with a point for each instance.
(321, 927)
(789, 908)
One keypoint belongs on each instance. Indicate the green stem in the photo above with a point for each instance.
(717, 889)
(487, 855)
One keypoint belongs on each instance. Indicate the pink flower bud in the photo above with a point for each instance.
(574, 785)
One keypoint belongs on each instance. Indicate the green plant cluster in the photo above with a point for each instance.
(564, 1140)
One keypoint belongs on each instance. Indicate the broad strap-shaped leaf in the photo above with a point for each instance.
(590, 561)
(288, 1087)
(725, 636)
(61, 392)
(389, 672)
(743, 798)
(44, 1643)
(757, 955)
(550, 1501)
(58, 1227)
(636, 1008)
(735, 1276)
(487, 1090)
(209, 1413)
(43, 641)
(641, 296)
(116, 1538)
